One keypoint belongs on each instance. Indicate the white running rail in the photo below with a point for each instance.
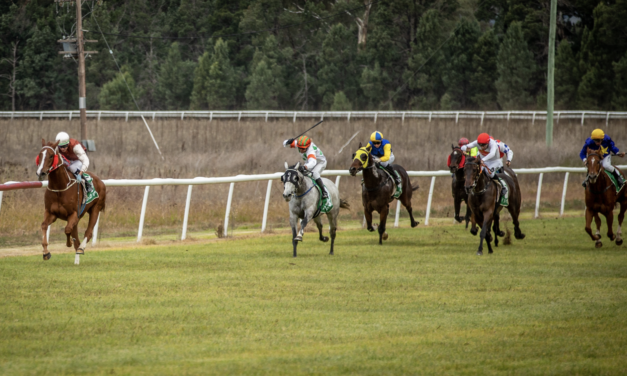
(328, 173)
(348, 115)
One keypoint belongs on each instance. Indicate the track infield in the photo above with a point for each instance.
(422, 303)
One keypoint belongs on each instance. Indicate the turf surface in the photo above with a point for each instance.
(421, 304)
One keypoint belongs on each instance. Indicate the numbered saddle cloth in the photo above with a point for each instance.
(324, 206)
(88, 197)
(613, 179)
(504, 198)
(399, 189)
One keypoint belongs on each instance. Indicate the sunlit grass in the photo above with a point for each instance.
(421, 304)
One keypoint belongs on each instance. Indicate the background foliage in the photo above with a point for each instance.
(332, 54)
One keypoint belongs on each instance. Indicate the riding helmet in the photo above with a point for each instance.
(463, 141)
(483, 138)
(303, 142)
(63, 138)
(598, 134)
(376, 136)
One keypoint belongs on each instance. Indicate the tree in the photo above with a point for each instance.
(174, 87)
(214, 80)
(619, 99)
(341, 102)
(566, 76)
(482, 79)
(459, 64)
(374, 83)
(119, 93)
(266, 88)
(515, 67)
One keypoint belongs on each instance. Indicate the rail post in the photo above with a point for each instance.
(337, 183)
(398, 212)
(1, 201)
(428, 212)
(228, 210)
(186, 215)
(564, 194)
(264, 222)
(538, 195)
(143, 214)
(94, 238)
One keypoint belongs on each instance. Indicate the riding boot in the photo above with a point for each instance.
(619, 178)
(326, 204)
(397, 179)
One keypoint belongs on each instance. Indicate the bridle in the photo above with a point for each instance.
(57, 162)
(476, 181)
(588, 186)
(290, 178)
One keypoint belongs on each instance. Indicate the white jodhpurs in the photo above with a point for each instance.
(75, 166)
(607, 163)
(493, 166)
(317, 170)
(389, 161)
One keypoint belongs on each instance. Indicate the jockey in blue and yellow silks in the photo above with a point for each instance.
(602, 142)
(381, 151)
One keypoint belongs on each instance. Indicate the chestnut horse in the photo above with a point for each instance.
(64, 196)
(601, 197)
(456, 162)
(483, 198)
(378, 188)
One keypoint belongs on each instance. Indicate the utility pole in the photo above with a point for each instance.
(550, 87)
(72, 47)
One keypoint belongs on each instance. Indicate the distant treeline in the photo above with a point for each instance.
(316, 55)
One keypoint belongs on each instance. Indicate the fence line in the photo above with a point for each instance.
(348, 115)
(147, 183)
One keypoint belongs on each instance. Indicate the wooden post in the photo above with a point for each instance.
(80, 46)
(550, 88)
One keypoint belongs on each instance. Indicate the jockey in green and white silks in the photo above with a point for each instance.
(381, 151)
(315, 162)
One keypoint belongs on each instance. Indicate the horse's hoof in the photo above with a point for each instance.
(519, 236)
(501, 234)
(385, 236)
(474, 232)
(331, 253)
(80, 251)
(47, 256)
(619, 241)
(612, 238)
(458, 219)
(479, 253)
(414, 224)
(598, 244)
(324, 239)
(298, 239)
(490, 252)
(371, 229)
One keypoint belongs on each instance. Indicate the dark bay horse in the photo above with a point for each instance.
(601, 197)
(456, 162)
(63, 198)
(483, 199)
(378, 188)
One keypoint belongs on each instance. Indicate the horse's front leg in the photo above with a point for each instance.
(485, 229)
(468, 214)
(589, 216)
(383, 217)
(318, 221)
(368, 215)
(293, 224)
(89, 233)
(609, 218)
(49, 218)
(457, 204)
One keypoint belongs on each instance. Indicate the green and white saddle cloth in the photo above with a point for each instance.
(89, 196)
(399, 189)
(613, 179)
(504, 198)
(324, 204)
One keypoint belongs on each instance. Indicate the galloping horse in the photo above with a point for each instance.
(456, 162)
(601, 197)
(378, 188)
(64, 196)
(299, 191)
(483, 199)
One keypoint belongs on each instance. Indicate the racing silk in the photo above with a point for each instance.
(76, 152)
(607, 147)
(312, 156)
(383, 152)
(505, 150)
(496, 150)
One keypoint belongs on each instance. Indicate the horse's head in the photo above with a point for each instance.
(47, 159)
(292, 179)
(593, 164)
(456, 159)
(472, 172)
(361, 160)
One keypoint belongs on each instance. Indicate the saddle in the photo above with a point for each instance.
(614, 181)
(399, 190)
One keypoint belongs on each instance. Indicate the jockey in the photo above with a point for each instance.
(74, 152)
(602, 142)
(492, 152)
(381, 151)
(315, 162)
(464, 141)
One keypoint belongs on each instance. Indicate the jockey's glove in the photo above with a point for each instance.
(376, 159)
(78, 177)
(585, 160)
(289, 141)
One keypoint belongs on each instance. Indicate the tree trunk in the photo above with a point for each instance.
(362, 25)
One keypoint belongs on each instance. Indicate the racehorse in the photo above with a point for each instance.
(601, 197)
(483, 199)
(378, 188)
(64, 196)
(456, 162)
(304, 199)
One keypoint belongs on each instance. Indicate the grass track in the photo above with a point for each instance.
(421, 304)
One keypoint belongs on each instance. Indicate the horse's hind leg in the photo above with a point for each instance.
(77, 244)
(514, 212)
(383, 217)
(332, 230)
(609, 218)
(319, 225)
(621, 216)
(71, 230)
(93, 218)
(406, 201)
(468, 214)
(48, 220)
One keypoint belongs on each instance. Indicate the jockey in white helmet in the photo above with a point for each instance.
(74, 152)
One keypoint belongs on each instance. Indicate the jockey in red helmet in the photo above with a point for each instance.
(492, 152)
(315, 161)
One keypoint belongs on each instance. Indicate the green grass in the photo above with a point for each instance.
(421, 304)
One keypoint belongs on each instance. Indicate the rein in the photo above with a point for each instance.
(56, 164)
(294, 194)
(588, 186)
(473, 192)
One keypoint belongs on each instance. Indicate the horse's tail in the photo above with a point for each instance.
(344, 204)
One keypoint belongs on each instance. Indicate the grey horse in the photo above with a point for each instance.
(303, 197)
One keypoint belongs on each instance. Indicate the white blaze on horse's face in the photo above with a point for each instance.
(41, 162)
(591, 176)
(288, 187)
